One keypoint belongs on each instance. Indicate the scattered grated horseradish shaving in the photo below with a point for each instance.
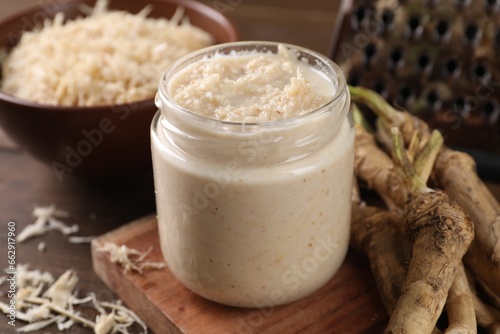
(41, 246)
(39, 325)
(61, 290)
(30, 278)
(41, 302)
(104, 323)
(123, 256)
(46, 221)
(80, 239)
(108, 57)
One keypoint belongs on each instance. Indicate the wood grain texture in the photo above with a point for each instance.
(349, 303)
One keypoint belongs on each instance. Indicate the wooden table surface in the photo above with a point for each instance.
(97, 208)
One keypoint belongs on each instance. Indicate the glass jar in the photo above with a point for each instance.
(254, 214)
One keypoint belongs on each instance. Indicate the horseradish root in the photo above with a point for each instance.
(440, 232)
(389, 117)
(460, 306)
(374, 166)
(455, 173)
(377, 233)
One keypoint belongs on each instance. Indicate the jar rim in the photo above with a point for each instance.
(163, 95)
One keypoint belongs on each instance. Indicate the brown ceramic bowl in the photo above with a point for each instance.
(93, 142)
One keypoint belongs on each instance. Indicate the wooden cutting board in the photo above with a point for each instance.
(349, 303)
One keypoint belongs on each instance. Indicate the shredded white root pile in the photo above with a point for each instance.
(130, 259)
(41, 302)
(46, 221)
(108, 57)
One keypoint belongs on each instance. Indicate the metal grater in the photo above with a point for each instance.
(438, 59)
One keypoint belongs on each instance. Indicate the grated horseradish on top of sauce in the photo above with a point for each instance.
(250, 87)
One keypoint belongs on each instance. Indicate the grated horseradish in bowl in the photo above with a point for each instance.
(79, 95)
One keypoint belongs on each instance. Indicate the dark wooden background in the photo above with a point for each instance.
(98, 208)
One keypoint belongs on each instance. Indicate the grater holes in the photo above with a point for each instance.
(461, 107)
(414, 26)
(414, 22)
(369, 53)
(462, 39)
(452, 68)
(405, 95)
(380, 87)
(471, 31)
(481, 72)
(387, 18)
(424, 63)
(359, 15)
(433, 96)
(396, 58)
(370, 50)
(490, 4)
(472, 34)
(433, 99)
(442, 27)
(442, 30)
(491, 110)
